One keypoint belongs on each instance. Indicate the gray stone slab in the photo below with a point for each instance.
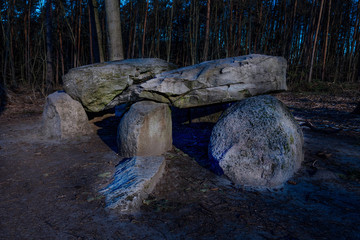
(135, 178)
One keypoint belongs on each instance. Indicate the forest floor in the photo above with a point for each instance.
(49, 189)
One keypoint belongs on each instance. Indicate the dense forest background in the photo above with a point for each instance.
(41, 41)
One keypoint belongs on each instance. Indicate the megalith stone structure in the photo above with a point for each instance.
(257, 143)
(145, 130)
(64, 117)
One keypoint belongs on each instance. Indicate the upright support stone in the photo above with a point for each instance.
(64, 117)
(145, 130)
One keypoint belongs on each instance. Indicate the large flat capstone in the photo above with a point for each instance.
(64, 117)
(145, 130)
(212, 82)
(134, 179)
(96, 85)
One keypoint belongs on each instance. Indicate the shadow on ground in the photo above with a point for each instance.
(191, 130)
(107, 123)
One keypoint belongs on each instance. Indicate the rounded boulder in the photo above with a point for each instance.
(257, 143)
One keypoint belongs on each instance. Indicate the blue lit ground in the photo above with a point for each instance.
(48, 188)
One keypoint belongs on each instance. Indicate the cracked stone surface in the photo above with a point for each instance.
(96, 85)
(212, 82)
(257, 143)
(135, 178)
(64, 117)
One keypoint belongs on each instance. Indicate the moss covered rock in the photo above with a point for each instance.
(257, 143)
(96, 85)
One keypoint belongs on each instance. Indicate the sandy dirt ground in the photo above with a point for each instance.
(49, 189)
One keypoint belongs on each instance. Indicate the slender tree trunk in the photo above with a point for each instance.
(326, 43)
(114, 29)
(91, 35)
(98, 30)
(59, 32)
(207, 32)
(131, 18)
(94, 45)
(49, 64)
(315, 42)
(231, 25)
(5, 54)
(11, 48)
(27, 41)
(248, 43)
(194, 30)
(134, 34)
(144, 32)
(170, 32)
(154, 30)
(238, 50)
(79, 34)
(354, 44)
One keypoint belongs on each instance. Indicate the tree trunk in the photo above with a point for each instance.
(98, 30)
(49, 64)
(134, 34)
(94, 45)
(11, 47)
(326, 43)
(27, 54)
(144, 30)
(170, 32)
(79, 35)
(5, 54)
(315, 42)
(207, 32)
(112, 8)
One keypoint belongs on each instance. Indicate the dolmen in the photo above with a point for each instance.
(256, 142)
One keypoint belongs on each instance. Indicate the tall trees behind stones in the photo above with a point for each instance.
(114, 29)
(49, 61)
(182, 32)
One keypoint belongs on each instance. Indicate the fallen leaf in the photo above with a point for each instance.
(291, 182)
(324, 154)
(105, 175)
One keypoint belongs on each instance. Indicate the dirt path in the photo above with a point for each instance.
(48, 189)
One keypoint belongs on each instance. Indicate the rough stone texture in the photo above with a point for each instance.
(217, 81)
(96, 85)
(145, 130)
(64, 117)
(257, 143)
(134, 179)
